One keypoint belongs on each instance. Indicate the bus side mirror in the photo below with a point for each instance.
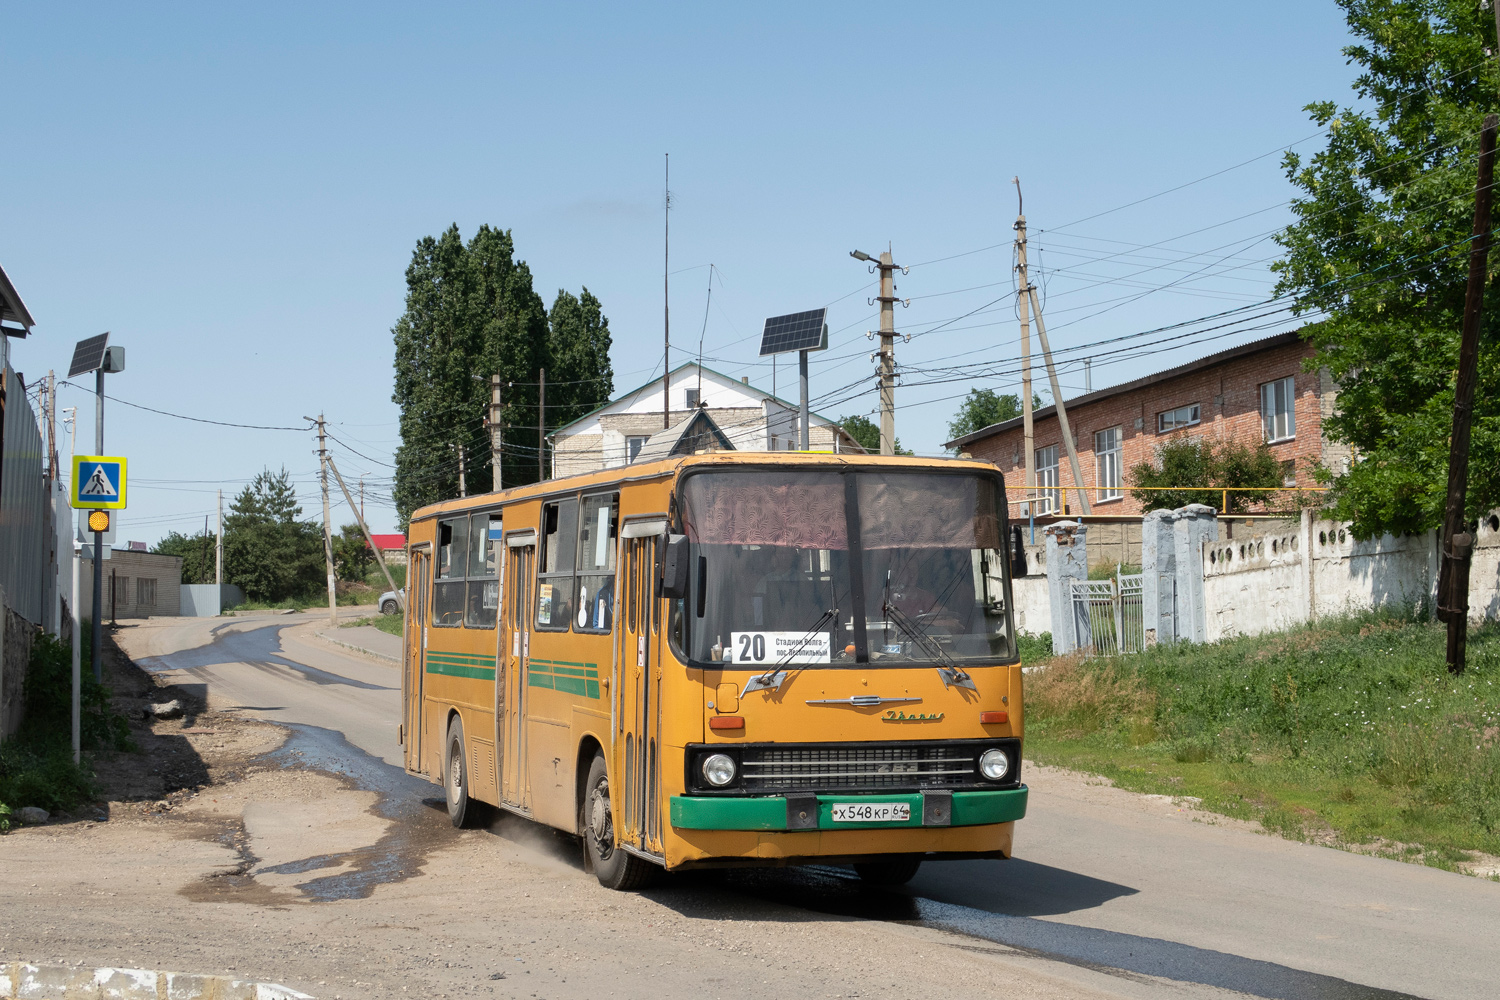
(674, 567)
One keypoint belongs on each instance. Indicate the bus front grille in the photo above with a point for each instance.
(863, 766)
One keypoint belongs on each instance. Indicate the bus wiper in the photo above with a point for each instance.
(772, 679)
(952, 674)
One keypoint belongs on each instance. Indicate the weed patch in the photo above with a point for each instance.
(1350, 731)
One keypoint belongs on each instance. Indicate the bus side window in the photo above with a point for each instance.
(452, 562)
(555, 585)
(484, 573)
(598, 544)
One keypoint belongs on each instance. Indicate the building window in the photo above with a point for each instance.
(145, 592)
(1107, 464)
(1049, 497)
(1276, 409)
(1183, 416)
(1289, 472)
(633, 445)
(692, 398)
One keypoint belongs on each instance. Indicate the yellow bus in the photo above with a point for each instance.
(725, 659)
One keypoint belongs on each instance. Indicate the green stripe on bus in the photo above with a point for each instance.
(477, 660)
(460, 670)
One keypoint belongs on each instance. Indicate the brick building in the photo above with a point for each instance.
(1252, 393)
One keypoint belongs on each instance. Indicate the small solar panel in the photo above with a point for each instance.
(88, 355)
(803, 331)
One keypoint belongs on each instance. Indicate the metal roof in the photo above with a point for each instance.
(12, 309)
(1254, 347)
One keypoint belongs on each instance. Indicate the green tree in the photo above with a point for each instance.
(1167, 482)
(267, 551)
(867, 433)
(352, 558)
(1381, 246)
(983, 407)
(580, 377)
(470, 313)
(197, 553)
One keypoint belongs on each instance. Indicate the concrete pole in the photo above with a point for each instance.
(96, 631)
(1024, 302)
(219, 546)
(887, 354)
(804, 415)
(497, 443)
(333, 609)
(1062, 411)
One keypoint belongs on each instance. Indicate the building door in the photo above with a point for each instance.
(510, 687)
(637, 699)
(413, 690)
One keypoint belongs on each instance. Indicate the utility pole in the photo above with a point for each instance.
(497, 443)
(1458, 542)
(369, 540)
(463, 489)
(219, 546)
(96, 626)
(541, 425)
(1028, 432)
(51, 417)
(333, 603)
(361, 498)
(666, 299)
(887, 300)
(1057, 401)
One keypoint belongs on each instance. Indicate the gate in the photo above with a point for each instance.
(1108, 615)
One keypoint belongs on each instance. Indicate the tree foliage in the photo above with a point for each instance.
(1198, 462)
(197, 552)
(352, 558)
(867, 433)
(983, 407)
(471, 312)
(1381, 246)
(268, 551)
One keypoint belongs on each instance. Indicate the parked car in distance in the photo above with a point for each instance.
(389, 604)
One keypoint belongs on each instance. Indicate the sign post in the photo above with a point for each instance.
(98, 486)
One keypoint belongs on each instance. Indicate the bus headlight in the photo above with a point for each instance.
(994, 764)
(718, 769)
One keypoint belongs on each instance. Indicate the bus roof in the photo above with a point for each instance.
(665, 468)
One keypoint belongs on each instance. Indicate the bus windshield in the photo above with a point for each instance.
(845, 567)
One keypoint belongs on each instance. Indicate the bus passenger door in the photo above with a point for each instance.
(413, 689)
(637, 715)
(510, 710)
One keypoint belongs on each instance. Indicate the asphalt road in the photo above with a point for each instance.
(1104, 883)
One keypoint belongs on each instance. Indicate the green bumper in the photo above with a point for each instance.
(690, 812)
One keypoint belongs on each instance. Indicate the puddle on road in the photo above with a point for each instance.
(415, 828)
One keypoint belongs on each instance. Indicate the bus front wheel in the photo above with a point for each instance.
(456, 775)
(615, 868)
(897, 870)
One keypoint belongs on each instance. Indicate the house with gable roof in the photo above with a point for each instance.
(740, 416)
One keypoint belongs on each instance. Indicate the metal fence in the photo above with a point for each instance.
(1108, 615)
(25, 524)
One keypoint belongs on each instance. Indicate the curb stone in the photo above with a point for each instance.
(359, 649)
(26, 981)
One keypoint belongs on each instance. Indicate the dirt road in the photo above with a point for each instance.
(313, 861)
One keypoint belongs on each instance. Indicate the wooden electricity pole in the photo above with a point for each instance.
(1458, 541)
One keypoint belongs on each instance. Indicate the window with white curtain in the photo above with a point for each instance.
(1277, 414)
(1107, 478)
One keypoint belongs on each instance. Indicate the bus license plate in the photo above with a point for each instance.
(871, 812)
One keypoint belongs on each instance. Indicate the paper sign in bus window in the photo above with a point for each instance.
(778, 647)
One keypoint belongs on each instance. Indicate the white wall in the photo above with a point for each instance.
(1267, 583)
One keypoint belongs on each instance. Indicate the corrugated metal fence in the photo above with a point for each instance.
(25, 533)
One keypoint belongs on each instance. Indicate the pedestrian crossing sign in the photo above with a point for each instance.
(99, 482)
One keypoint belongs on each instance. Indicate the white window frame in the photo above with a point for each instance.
(1278, 409)
(1049, 494)
(1190, 414)
(1108, 481)
(640, 442)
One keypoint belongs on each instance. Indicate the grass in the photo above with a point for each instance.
(390, 624)
(347, 594)
(1348, 732)
(36, 765)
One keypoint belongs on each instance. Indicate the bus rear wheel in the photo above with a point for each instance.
(456, 776)
(896, 870)
(614, 867)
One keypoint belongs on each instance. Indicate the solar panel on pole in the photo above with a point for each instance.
(88, 356)
(800, 331)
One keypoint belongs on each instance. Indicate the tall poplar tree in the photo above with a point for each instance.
(580, 377)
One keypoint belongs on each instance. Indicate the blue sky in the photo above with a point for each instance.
(235, 194)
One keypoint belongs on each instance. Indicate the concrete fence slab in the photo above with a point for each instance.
(28, 981)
